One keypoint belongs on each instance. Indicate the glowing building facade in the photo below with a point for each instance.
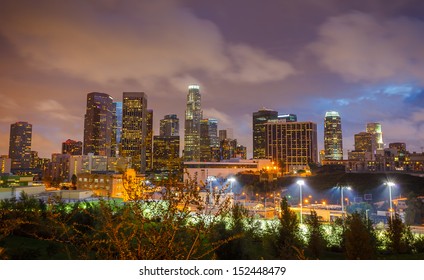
(292, 145)
(376, 131)
(98, 124)
(333, 139)
(193, 115)
(134, 129)
(20, 145)
(260, 118)
(208, 138)
(169, 126)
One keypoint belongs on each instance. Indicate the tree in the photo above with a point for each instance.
(316, 241)
(360, 239)
(414, 211)
(399, 236)
(238, 234)
(289, 241)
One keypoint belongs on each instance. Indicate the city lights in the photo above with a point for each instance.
(343, 199)
(300, 183)
(390, 185)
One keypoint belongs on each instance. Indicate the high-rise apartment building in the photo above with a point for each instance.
(333, 140)
(20, 145)
(98, 124)
(193, 115)
(260, 118)
(72, 147)
(134, 129)
(292, 145)
(208, 138)
(375, 130)
(169, 126)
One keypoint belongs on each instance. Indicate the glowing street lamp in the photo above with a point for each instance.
(231, 183)
(301, 183)
(342, 200)
(390, 185)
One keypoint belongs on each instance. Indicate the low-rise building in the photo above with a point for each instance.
(201, 171)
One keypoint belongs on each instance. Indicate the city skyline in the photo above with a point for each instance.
(363, 60)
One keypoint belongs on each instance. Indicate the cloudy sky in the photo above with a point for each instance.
(363, 58)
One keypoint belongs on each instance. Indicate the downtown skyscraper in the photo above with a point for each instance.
(193, 115)
(169, 126)
(375, 130)
(98, 124)
(166, 146)
(134, 129)
(208, 138)
(260, 118)
(292, 145)
(333, 139)
(20, 145)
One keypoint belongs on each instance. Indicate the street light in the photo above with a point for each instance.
(301, 183)
(390, 185)
(341, 194)
(210, 180)
(231, 183)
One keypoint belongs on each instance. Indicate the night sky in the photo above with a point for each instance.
(362, 58)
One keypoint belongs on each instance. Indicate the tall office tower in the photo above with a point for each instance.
(208, 138)
(260, 118)
(365, 142)
(117, 127)
(149, 140)
(72, 147)
(292, 145)
(333, 140)
(288, 117)
(98, 124)
(20, 145)
(222, 134)
(169, 126)
(228, 149)
(193, 115)
(375, 130)
(166, 153)
(134, 129)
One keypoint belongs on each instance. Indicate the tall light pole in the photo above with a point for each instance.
(231, 183)
(342, 199)
(390, 185)
(301, 183)
(210, 180)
